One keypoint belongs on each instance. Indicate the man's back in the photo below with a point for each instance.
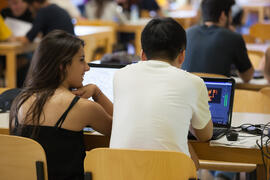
(51, 18)
(154, 104)
(215, 49)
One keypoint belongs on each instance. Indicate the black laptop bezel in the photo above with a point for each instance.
(229, 80)
(101, 65)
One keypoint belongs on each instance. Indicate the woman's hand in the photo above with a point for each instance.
(90, 90)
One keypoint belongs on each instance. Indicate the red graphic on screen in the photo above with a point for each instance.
(214, 95)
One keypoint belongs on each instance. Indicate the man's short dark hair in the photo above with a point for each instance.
(163, 38)
(32, 1)
(212, 9)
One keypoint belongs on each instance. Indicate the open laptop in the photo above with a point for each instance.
(221, 94)
(102, 76)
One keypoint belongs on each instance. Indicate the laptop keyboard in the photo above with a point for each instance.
(218, 133)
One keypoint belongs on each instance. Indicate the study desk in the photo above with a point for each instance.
(136, 27)
(214, 153)
(93, 35)
(253, 84)
(10, 50)
(252, 6)
(184, 17)
(260, 47)
(203, 149)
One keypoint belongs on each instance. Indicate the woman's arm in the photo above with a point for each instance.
(93, 91)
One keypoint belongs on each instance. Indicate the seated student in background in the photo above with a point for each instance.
(17, 9)
(152, 110)
(48, 18)
(106, 10)
(151, 5)
(212, 47)
(48, 112)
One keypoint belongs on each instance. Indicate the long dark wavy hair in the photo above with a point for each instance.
(46, 73)
(100, 7)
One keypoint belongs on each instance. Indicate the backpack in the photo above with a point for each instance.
(6, 99)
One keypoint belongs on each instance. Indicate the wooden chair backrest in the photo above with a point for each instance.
(260, 31)
(256, 58)
(18, 159)
(248, 38)
(123, 164)
(252, 101)
(209, 75)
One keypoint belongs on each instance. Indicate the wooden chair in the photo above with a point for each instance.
(260, 31)
(256, 58)
(22, 158)
(248, 38)
(123, 164)
(244, 101)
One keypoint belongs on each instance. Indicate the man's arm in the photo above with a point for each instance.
(203, 134)
(247, 75)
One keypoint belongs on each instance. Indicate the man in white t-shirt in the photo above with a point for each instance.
(155, 102)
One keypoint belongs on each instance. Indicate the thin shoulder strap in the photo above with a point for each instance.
(64, 115)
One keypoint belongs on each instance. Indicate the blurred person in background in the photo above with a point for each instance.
(17, 9)
(68, 5)
(48, 17)
(106, 10)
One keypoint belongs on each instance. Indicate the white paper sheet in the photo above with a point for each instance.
(18, 27)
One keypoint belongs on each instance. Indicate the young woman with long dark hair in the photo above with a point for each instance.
(48, 112)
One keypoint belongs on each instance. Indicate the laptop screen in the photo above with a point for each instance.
(221, 93)
(102, 76)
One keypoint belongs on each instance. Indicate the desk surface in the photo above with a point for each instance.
(89, 30)
(252, 3)
(253, 84)
(10, 50)
(183, 14)
(203, 150)
(257, 47)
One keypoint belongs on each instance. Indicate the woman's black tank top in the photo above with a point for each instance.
(65, 151)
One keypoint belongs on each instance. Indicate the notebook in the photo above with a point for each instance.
(221, 94)
(102, 76)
